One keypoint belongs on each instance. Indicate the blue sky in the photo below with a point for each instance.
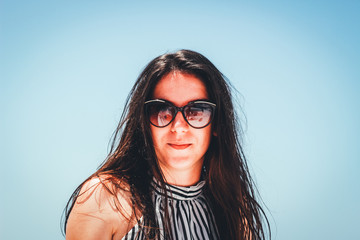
(66, 68)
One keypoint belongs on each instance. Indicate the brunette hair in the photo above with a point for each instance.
(132, 159)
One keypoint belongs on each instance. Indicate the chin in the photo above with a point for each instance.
(182, 162)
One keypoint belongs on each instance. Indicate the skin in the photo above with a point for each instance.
(94, 215)
(179, 147)
(180, 150)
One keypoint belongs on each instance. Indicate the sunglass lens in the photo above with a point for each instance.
(198, 115)
(160, 114)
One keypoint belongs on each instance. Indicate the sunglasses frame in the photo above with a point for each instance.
(181, 109)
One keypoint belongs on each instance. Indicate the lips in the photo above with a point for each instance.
(179, 146)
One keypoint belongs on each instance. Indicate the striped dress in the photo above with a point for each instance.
(190, 213)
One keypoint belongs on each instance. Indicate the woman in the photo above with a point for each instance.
(176, 169)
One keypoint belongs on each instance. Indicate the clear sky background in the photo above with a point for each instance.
(66, 68)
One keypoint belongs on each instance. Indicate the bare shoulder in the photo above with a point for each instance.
(98, 214)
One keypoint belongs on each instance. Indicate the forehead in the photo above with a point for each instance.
(180, 88)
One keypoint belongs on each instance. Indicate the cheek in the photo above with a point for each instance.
(156, 134)
(206, 137)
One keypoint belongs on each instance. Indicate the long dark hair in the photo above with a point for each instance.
(132, 159)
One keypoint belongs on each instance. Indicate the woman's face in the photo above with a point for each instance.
(178, 146)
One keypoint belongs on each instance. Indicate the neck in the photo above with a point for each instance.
(182, 177)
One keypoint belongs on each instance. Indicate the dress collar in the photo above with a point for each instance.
(178, 192)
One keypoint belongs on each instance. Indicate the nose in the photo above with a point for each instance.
(179, 124)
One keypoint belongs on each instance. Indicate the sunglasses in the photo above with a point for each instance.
(198, 114)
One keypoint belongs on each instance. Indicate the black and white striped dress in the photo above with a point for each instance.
(190, 213)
